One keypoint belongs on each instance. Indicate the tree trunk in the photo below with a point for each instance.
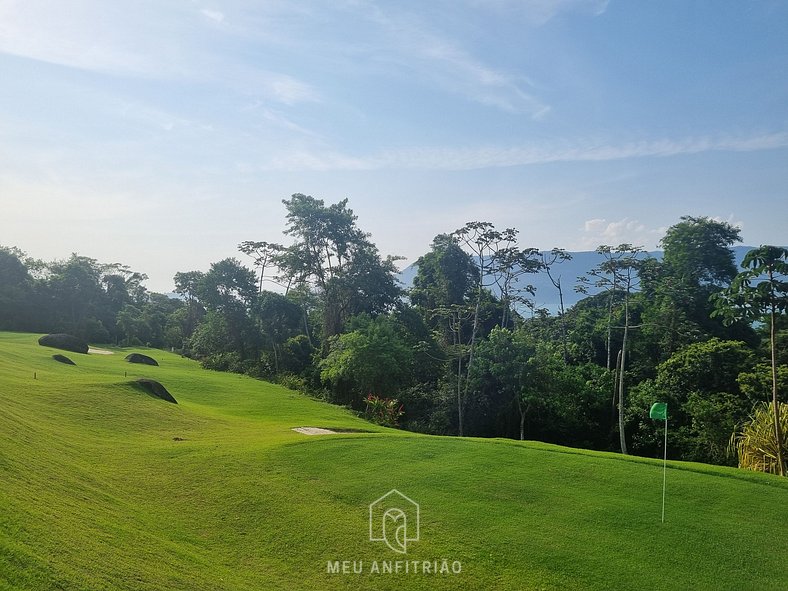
(615, 387)
(472, 348)
(563, 321)
(459, 392)
(777, 429)
(621, 378)
(522, 421)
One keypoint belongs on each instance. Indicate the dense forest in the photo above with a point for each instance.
(463, 350)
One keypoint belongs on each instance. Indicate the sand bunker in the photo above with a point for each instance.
(314, 431)
(92, 351)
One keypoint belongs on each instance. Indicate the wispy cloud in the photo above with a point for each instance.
(416, 45)
(214, 15)
(450, 158)
(538, 12)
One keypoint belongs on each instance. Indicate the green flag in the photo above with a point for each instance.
(659, 410)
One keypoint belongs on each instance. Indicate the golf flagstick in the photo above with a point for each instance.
(659, 410)
(664, 468)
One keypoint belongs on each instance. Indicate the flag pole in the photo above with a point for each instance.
(659, 410)
(664, 467)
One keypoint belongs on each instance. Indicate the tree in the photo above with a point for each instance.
(761, 291)
(186, 285)
(619, 270)
(264, 256)
(549, 260)
(372, 359)
(333, 255)
(16, 291)
(227, 290)
(509, 265)
(76, 297)
(553, 400)
(279, 319)
(697, 262)
(487, 246)
(702, 385)
(445, 276)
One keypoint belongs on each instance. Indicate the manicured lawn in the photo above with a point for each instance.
(104, 487)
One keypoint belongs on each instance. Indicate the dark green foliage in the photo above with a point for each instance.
(701, 385)
(63, 341)
(371, 359)
(445, 277)
(332, 255)
(155, 389)
(524, 389)
(697, 263)
(17, 302)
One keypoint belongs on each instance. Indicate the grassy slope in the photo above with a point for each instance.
(96, 494)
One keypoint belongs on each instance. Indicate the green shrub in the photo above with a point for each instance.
(756, 443)
(383, 411)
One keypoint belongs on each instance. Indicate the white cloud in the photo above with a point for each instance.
(730, 219)
(214, 15)
(538, 12)
(451, 158)
(78, 35)
(412, 43)
(598, 231)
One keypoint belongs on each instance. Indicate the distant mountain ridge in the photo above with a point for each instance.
(580, 263)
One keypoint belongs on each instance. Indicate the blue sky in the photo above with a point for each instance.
(161, 134)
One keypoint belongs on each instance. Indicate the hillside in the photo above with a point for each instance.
(104, 487)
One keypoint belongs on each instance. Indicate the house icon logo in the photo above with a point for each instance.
(394, 519)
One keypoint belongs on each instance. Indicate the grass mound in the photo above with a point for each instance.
(63, 359)
(140, 358)
(154, 388)
(101, 488)
(64, 341)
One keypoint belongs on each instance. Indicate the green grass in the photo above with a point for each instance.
(96, 493)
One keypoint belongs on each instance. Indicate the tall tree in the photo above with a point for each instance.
(761, 291)
(549, 260)
(618, 271)
(227, 290)
(484, 242)
(698, 261)
(333, 255)
(510, 265)
(16, 291)
(263, 254)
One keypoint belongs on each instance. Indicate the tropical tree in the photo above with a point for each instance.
(618, 271)
(549, 260)
(330, 253)
(702, 385)
(227, 291)
(263, 254)
(758, 292)
(371, 359)
(16, 291)
(697, 262)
